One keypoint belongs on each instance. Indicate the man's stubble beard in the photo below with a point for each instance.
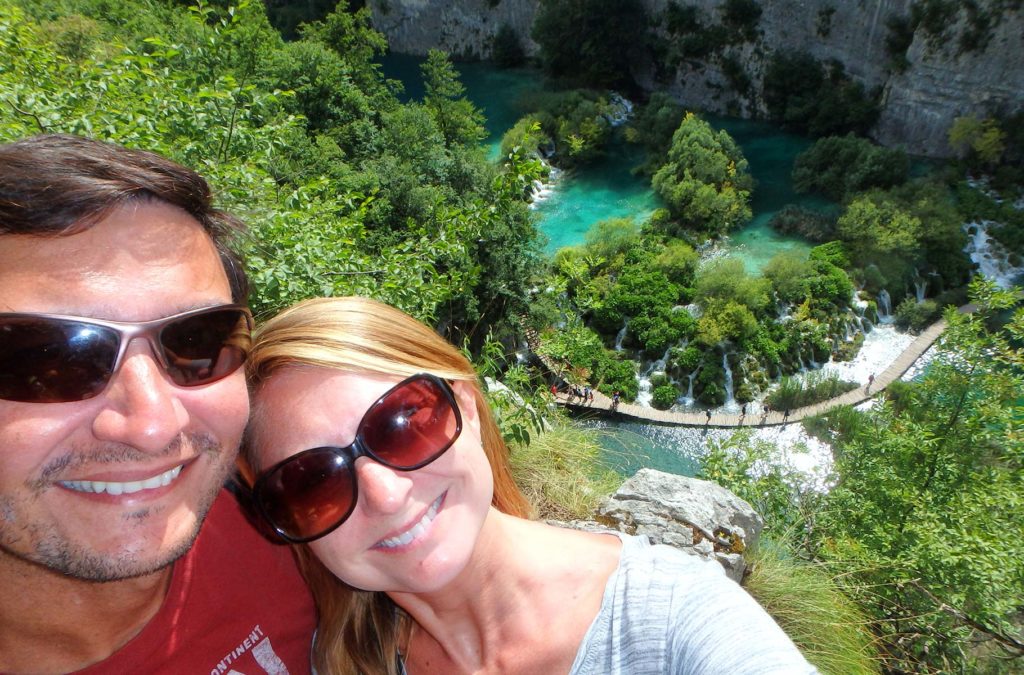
(59, 554)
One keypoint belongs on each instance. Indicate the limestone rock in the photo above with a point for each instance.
(940, 83)
(695, 515)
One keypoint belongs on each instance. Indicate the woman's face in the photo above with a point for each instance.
(411, 531)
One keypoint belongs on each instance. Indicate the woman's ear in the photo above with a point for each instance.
(465, 394)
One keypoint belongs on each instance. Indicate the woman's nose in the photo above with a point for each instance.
(382, 490)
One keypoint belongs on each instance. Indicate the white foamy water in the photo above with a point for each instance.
(882, 346)
(992, 259)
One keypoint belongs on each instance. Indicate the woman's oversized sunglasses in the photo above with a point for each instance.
(53, 358)
(310, 494)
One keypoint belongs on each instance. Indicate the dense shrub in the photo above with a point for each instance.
(664, 396)
(808, 223)
(815, 387)
(840, 166)
(803, 94)
(916, 316)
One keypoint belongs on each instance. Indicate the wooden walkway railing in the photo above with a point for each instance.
(603, 405)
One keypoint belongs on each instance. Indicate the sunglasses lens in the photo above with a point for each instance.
(205, 347)
(412, 425)
(54, 361)
(307, 495)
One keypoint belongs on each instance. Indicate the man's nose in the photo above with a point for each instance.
(143, 408)
(382, 491)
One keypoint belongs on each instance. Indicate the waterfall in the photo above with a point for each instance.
(884, 307)
(730, 400)
(689, 400)
(543, 189)
(621, 335)
(621, 110)
(920, 285)
(992, 259)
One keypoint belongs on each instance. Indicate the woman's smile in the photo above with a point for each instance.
(412, 535)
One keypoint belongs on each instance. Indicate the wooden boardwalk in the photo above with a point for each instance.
(914, 350)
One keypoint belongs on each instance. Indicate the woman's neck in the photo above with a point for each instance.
(525, 584)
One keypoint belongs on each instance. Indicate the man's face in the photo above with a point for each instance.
(62, 463)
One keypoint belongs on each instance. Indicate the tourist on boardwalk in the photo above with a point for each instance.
(588, 396)
(376, 452)
(615, 400)
(708, 412)
(871, 380)
(122, 402)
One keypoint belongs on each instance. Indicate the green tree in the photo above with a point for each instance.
(460, 122)
(727, 279)
(927, 512)
(705, 181)
(840, 166)
(802, 93)
(981, 140)
(590, 41)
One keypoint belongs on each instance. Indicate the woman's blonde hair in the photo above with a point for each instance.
(360, 631)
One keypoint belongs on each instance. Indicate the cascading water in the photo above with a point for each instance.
(645, 394)
(920, 286)
(730, 398)
(884, 306)
(992, 259)
(688, 400)
(621, 335)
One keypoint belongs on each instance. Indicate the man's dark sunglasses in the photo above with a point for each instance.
(53, 358)
(310, 494)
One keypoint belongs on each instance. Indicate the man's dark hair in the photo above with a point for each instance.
(55, 185)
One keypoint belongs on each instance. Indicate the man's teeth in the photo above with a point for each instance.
(416, 530)
(115, 488)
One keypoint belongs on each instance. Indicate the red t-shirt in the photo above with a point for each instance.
(236, 605)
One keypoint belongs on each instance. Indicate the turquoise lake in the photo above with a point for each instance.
(609, 189)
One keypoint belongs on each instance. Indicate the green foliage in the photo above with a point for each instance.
(576, 121)
(802, 94)
(705, 181)
(723, 321)
(561, 473)
(915, 316)
(589, 41)
(814, 387)
(875, 227)
(507, 51)
(809, 223)
(832, 252)
(743, 465)
(840, 166)
(611, 238)
(525, 134)
(652, 128)
(741, 17)
(927, 513)
(664, 396)
(807, 601)
(797, 279)
(459, 121)
(678, 261)
(982, 142)
(727, 279)
(345, 189)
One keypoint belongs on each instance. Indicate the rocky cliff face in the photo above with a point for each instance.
(937, 78)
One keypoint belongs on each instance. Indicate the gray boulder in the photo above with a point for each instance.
(695, 515)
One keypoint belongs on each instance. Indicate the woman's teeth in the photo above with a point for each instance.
(416, 530)
(127, 488)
